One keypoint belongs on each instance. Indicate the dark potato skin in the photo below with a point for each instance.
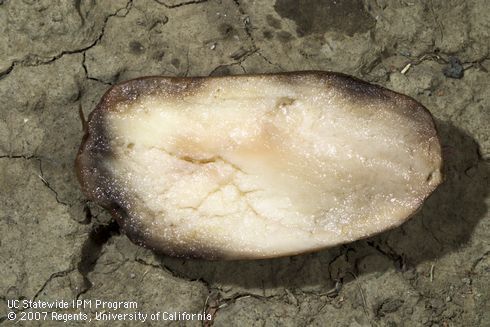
(98, 185)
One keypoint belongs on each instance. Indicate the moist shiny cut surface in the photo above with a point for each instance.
(257, 166)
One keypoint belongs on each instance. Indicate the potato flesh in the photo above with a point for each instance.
(260, 168)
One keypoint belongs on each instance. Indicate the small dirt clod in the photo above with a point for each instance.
(454, 69)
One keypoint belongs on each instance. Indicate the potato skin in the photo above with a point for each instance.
(98, 184)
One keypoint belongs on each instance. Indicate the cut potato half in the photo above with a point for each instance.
(257, 166)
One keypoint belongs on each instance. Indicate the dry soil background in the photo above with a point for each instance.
(56, 56)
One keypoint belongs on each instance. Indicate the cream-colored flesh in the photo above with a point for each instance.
(256, 167)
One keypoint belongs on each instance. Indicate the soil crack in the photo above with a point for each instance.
(180, 4)
(92, 250)
(35, 60)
